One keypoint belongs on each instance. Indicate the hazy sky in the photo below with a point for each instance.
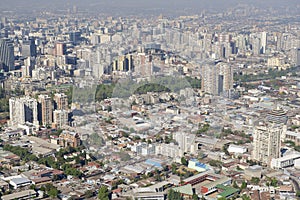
(140, 5)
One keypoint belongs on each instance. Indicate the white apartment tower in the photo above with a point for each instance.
(268, 135)
(60, 118)
(217, 79)
(22, 110)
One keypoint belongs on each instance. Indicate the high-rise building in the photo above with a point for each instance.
(123, 63)
(45, 109)
(263, 42)
(60, 118)
(217, 79)
(60, 49)
(22, 110)
(75, 37)
(298, 57)
(256, 47)
(186, 142)
(7, 57)
(29, 48)
(268, 135)
(266, 140)
(61, 102)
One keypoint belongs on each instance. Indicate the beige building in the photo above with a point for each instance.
(61, 101)
(45, 109)
(67, 138)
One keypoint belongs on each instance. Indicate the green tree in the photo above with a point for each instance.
(53, 192)
(255, 180)
(184, 161)
(195, 197)
(172, 195)
(103, 193)
(244, 185)
(298, 193)
(215, 163)
(235, 185)
(245, 197)
(174, 168)
(88, 194)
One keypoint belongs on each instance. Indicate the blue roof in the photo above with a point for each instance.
(152, 162)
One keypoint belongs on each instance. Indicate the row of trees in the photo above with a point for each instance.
(162, 84)
(272, 74)
(58, 163)
(23, 153)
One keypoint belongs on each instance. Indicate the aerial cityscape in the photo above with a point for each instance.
(150, 100)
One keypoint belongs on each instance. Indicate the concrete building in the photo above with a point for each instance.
(268, 135)
(18, 182)
(67, 138)
(26, 194)
(217, 79)
(45, 109)
(144, 149)
(285, 161)
(123, 63)
(298, 57)
(263, 43)
(60, 101)
(60, 118)
(266, 142)
(293, 136)
(170, 150)
(7, 57)
(186, 142)
(237, 149)
(28, 48)
(60, 49)
(22, 110)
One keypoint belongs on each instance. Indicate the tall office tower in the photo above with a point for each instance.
(22, 110)
(95, 39)
(60, 118)
(61, 101)
(268, 135)
(123, 63)
(7, 57)
(75, 37)
(217, 79)
(256, 47)
(298, 57)
(60, 49)
(29, 48)
(26, 71)
(45, 110)
(241, 43)
(263, 42)
(224, 38)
